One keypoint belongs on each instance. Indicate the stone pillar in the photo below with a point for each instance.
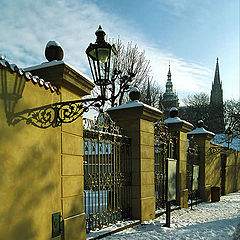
(73, 86)
(179, 129)
(202, 138)
(137, 120)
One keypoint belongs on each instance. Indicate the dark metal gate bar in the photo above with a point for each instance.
(106, 173)
(164, 148)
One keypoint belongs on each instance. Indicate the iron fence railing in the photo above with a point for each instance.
(164, 149)
(107, 178)
(192, 177)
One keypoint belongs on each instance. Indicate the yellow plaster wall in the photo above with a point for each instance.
(232, 171)
(72, 175)
(213, 169)
(30, 187)
(41, 173)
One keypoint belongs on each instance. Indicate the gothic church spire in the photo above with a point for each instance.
(216, 92)
(217, 75)
(216, 119)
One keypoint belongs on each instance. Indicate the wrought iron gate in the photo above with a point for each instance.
(192, 168)
(164, 148)
(106, 172)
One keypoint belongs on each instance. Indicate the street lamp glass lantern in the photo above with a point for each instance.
(101, 56)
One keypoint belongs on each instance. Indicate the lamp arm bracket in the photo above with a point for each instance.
(53, 115)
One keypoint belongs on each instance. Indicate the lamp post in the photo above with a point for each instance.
(101, 56)
(228, 136)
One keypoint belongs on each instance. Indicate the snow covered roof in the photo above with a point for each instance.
(28, 76)
(133, 104)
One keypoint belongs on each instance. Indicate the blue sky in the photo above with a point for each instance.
(190, 34)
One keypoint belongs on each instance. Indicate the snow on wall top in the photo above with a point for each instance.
(200, 130)
(132, 104)
(55, 63)
(27, 75)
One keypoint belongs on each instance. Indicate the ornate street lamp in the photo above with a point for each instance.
(101, 56)
(228, 136)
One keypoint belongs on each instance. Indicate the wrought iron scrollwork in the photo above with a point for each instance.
(106, 172)
(216, 150)
(103, 123)
(52, 115)
(193, 159)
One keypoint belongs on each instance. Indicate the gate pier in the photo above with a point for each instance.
(179, 129)
(137, 119)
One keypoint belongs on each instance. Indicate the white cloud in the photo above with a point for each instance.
(27, 26)
(186, 77)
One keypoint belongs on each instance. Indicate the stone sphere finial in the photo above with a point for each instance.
(173, 112)
(134, 94)
(200, 123)
(53, 51)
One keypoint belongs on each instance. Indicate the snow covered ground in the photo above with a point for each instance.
(217, 221)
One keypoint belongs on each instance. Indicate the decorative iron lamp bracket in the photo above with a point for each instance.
(101, 56)
(53, 115)
(12, 83)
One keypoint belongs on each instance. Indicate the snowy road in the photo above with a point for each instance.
(206, 221)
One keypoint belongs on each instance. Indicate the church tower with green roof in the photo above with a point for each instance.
(170, 98)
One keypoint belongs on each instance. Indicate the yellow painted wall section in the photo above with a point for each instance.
(30, 171)
(213, 168)
(232, 170)
(232, 183)
(72, 176)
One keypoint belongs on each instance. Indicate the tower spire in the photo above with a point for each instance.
(170, 98)
(169, 73)
(216, 118)
(148, 97)
(217, 75)
(169, 85)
